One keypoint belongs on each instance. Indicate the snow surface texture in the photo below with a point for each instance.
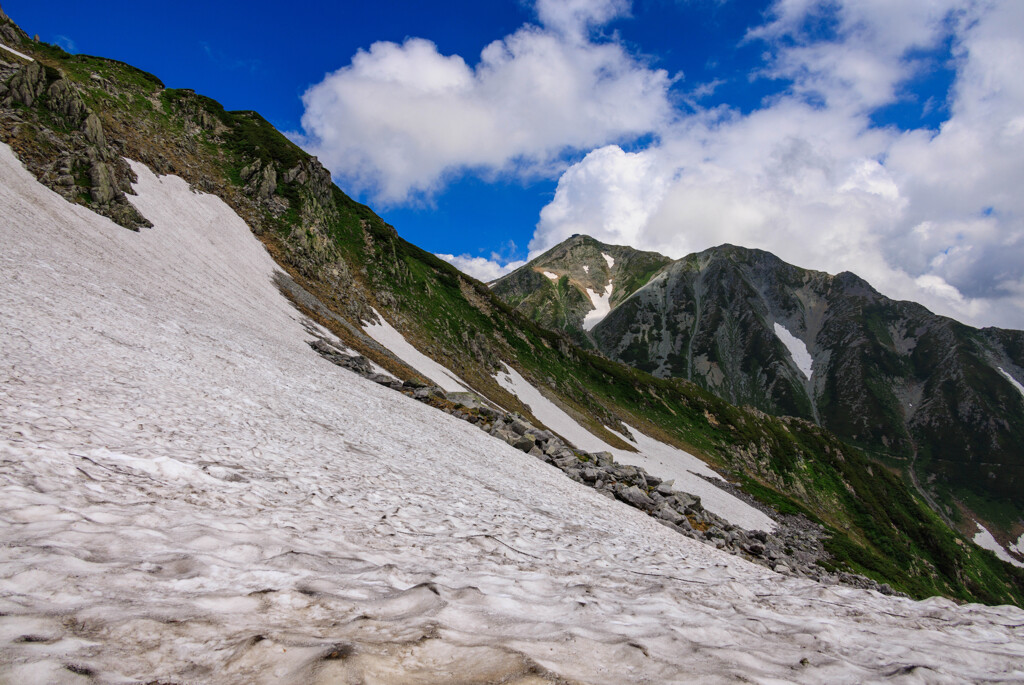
(609, 259)
(15, 52)
(586, 269)
(602, 305)
(553, 277)
(1016, 383)
(386, 335)
(655, 457)
(189, 493)
(984, 539)
(797, 349)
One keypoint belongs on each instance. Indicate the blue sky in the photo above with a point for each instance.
(879, 137)
(263, 56)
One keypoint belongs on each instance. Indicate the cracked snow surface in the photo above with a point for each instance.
(190, 494)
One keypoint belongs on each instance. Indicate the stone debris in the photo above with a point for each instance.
(794, 549)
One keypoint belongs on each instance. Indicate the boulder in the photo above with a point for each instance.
(634, 496)
(524, 443)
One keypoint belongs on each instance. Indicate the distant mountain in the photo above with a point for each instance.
(73, 120)
(921, 391)
(572, 286)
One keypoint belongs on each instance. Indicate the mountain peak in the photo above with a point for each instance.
(574, 284)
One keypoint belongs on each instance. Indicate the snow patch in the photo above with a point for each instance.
(586, 269)
(656, 457)
(602, 306)
(15, 52)
(553, 277)
(984, 539)
(1018, 546)
(340, 518)
(797, 349)
(389, 337)
(1016, 383)
(609, 259)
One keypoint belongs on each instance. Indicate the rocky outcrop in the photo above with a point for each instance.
(61, 141)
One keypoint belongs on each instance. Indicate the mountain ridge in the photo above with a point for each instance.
(714, 317)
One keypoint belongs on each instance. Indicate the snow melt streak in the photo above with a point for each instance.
(386, 335)
(797, 349)
(1016, 383)
(15, 52)
(189, 493)
(984, 539)
(655, 457)
(602, 305)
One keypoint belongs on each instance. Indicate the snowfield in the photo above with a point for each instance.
(602, 306)
(797, 349)
(190, 494)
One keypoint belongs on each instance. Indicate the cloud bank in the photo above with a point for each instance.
(400, 119)
(929, 214)
(481, 268)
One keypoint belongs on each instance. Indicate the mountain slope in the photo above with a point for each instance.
(350, 269)
(190, 493)
(572, 286)
(917, 389)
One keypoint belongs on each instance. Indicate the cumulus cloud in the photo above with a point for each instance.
(934, 216)
(402, 118)
(481, 268)
(574, 17)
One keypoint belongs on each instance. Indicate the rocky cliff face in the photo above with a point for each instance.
(572, 286)
(923, 392)
(892, 377)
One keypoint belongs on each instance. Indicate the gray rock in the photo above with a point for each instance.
(519, 426)
(102, 180)
(634, 496)
(669, 514)
(524, 443)
(93, 130)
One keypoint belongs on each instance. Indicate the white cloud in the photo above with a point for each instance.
(481, 268)
(937, 217)
(574, 17)
(609, 195)
(401, 119)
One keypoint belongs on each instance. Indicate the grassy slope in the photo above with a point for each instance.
(881, 529)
